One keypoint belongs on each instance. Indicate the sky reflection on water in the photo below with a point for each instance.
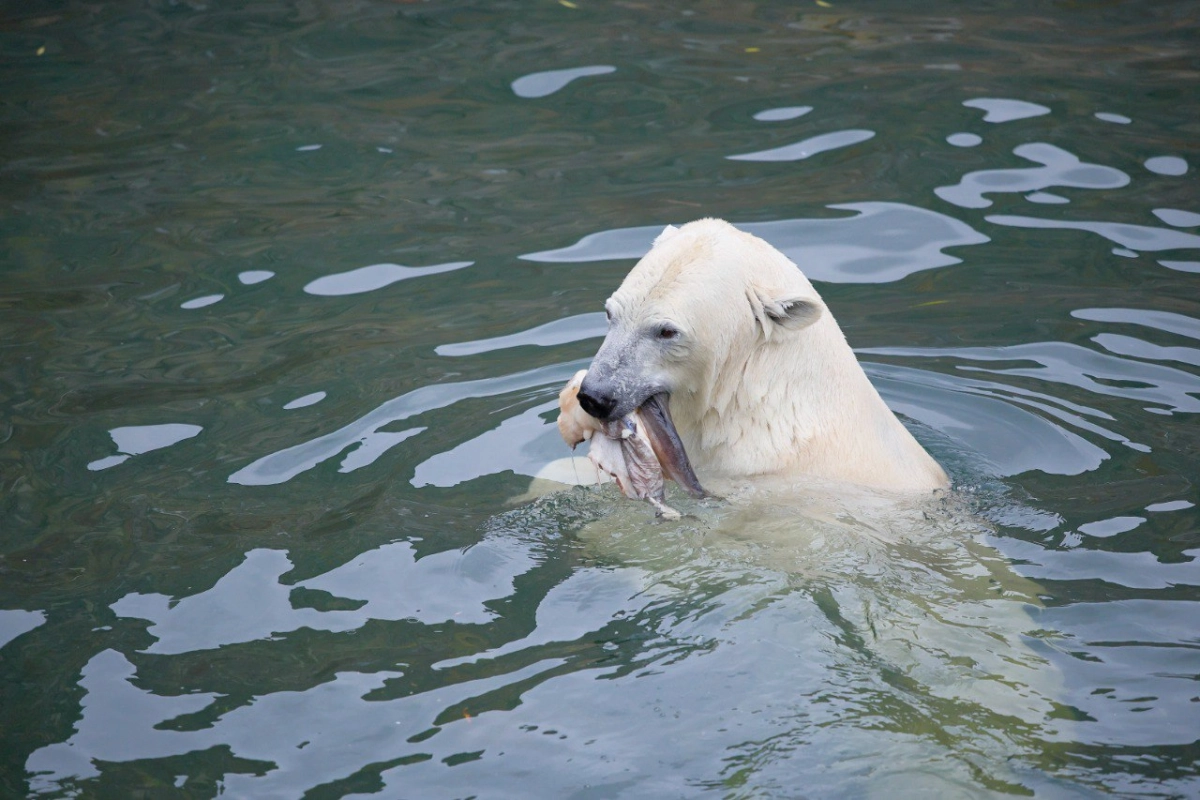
(883, 242)
(1059, 168)
(808, 147)
(543, 84)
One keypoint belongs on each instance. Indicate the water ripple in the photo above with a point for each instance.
(1047, 198)
(1004, 110)
(782, 114)
(883, 242)
(997, 423)
(1167, 321)
(541, 84)
(375, 276)
(1124, 658)
(808, 147)
(365, 432)
(14, 622)
(253, 276)
(1139, 570)
(202, 302)
(559, 331)
(301, 756)
(1059, 168)
(1129, 346)
(523, 444)
(133, 440)
(250, 602)
(1178, 217)
(1135, 237)
(1172, 166)
(305, 401)
(1074, 365)
(964, 139)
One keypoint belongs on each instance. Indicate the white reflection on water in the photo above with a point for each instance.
(376, 276)
(1135, 237)
(1130, 665)
(1181, 266)
(1178, 217)
(1059, 168)
(1103, 528)
(998, 423)
(15, 621)
(559, 331)
(253, 276)
(1004, 110)
(202, 302)
(828, 656)
(1129, 346)
(693, 619)
(1170, 505)
(1139, 570)
(1046, 198)
(964, 139)
(808, 147)
(305, 401)
(1167, 321)
(365, 432)
(883, 242)
(523, 444)
(133, 440)
(541, 84)
(1172, 166)
(1073, 365)
(782, 114)
(277, 729)
(570, 610)
(250, 602)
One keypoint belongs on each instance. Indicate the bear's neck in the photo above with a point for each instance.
(800, 402)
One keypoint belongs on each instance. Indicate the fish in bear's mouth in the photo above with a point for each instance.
(637, 450)
(655, 414)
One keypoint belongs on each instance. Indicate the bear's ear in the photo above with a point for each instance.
(667, 233)
(788, 312)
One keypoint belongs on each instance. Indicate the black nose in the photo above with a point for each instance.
(597, 404)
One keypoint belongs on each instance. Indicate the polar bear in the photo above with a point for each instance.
(721, 338)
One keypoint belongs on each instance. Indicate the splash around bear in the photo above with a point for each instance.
(725, 333)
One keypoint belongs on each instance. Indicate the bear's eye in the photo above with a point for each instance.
(668, 332)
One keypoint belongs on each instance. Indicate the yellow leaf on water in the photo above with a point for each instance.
(41, 51)
(751, 49)
(931, 303)
(567, 3)
(823, 4)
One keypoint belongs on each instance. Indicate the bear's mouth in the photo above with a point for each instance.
(668, 448)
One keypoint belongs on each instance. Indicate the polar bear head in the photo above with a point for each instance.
(691, 315)
(703, 298)
(725, 331)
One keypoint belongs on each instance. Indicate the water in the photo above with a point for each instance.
(289, 290)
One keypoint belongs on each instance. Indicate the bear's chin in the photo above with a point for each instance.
(668, 448)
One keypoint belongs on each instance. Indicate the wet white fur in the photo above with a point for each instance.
(763, 381)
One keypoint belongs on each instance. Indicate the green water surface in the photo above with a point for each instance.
(287, 292)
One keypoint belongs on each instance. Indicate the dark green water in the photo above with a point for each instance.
(205, 591)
